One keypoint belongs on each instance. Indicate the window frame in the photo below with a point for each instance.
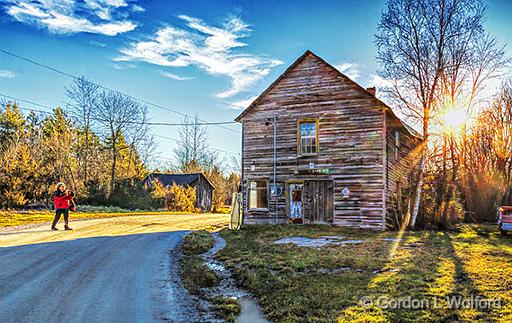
(267, 189)
(299, 138)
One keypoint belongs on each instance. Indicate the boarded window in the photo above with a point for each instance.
(258, 194)
(308, 137)
(397, 145)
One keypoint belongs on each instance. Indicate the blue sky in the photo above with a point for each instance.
(204, 57)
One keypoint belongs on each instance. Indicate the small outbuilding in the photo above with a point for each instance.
(204, 188)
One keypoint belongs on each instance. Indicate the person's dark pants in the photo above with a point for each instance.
(58, 213)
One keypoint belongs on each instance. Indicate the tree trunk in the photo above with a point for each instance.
(417, 197)
(451, 185)
(113, 170)
(421, 172)
(86, 156)
(442, 192)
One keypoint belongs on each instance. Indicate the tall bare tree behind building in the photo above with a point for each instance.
(422, 45)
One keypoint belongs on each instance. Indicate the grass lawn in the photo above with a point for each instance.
(14, 218)
(297, 284)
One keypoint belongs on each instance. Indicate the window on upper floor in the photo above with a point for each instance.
(307, 137)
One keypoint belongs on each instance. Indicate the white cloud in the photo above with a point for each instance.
(349, 69)
(122, 67)
(379, 82)
(242, 104)
(7, 74)
(103, 8)
(70, 16)
(97, 43)
(137, 8)
(211, 49)
(175, 77)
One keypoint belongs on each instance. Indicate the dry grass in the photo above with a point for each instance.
(194, 273)
(226, 308)
(197, 242)
(15, 218)
(423, 265)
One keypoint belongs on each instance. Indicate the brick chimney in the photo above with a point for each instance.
(372, 90)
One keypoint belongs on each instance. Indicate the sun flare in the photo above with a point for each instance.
(454, 119)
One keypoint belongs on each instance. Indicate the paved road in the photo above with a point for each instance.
(106, 270)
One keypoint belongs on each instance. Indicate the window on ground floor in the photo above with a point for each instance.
(258, 194)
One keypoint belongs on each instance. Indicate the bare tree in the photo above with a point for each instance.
(122, 121)
(423, 44)
(236, 163)
(486, 171)
(147, 150)
(84, 97)
(193, 144)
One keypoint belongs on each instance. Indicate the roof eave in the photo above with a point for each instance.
(257, 100)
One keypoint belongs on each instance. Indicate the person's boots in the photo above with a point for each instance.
(54, 228)
(66, 227)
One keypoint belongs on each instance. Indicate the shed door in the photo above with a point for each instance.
(320, 201)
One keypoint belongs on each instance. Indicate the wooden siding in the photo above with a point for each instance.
(399, 172)
(204, 194)
(350, 142)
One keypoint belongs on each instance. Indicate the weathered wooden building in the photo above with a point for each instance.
(204, 188)
(341, 155)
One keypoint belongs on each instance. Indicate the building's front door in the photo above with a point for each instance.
(319, 201)
(295, 203)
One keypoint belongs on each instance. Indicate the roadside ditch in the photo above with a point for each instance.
(211, 284)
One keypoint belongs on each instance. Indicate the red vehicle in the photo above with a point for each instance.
(505, 219)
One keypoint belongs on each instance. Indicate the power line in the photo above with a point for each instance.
(216, 149)
(92, 118)
(28, 60)
(181, 124)
(132, 122)
(29, 102)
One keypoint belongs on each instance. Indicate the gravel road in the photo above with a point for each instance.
(106, 270)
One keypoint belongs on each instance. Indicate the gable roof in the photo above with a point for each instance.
(178, 179)
(307, 53)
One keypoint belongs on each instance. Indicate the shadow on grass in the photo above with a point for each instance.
(486, 261)
(299, 284)
(326, 284)
(429, 270)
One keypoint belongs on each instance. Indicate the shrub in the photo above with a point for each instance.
(131, 196)
(181, 199)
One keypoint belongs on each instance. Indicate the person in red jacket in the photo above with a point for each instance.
(62, 200)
